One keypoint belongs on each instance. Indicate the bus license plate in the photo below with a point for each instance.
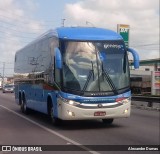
(99, 113)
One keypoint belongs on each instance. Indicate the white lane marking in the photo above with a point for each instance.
(51, 131)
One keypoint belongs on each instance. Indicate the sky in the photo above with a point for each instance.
(22, 21)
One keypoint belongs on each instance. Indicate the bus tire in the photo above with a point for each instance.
(19, 98)
(24, 107)
(107, 121)
(54, 120)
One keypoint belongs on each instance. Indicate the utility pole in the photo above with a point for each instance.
(3, 74)
(87, 23)
(63, 20)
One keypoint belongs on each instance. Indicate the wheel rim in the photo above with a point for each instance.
(24, 106)
(52, 115)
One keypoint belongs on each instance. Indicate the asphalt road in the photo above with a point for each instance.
(141, 129)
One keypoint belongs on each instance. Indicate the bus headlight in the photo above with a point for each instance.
(70, 102)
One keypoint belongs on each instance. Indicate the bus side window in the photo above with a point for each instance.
(46, 76)
(57, 77)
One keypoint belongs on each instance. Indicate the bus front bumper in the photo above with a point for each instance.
(84, 112)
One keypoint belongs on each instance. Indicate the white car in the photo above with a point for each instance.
(8, 88)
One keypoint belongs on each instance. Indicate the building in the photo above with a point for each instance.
(148, 65)
(144, 78)
(6, 80)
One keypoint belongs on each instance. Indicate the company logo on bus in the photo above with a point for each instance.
(106, 46)
(98, 100)
(100, 105)
(99, 94)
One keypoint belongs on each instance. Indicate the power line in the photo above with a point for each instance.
(8, 38)
(16, 35)
(18, 31)
(6, 62)
(13, 13)
(21, 21)
(20, 26)
(1, 68)
(144, 45)
(14, 25)
(149, 50)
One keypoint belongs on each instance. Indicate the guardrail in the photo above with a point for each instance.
(148, 99)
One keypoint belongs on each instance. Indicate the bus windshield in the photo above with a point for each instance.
(95, 66)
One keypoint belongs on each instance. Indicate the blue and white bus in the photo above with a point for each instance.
(75, 73)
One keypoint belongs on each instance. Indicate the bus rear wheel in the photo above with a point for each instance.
(107, 121)
(23, 107)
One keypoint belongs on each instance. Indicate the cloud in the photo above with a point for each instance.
(19, 26)
(17, 29)
(8, 5)
(142, 16)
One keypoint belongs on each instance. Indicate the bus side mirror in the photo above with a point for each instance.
(135, 57)
(102, 55)
(58, 58)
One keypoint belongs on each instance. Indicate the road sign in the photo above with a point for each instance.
(123, 30)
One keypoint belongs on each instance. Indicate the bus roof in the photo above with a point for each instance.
(79, 33)
(87, 33)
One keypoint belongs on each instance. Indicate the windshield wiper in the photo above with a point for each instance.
(91, 72)
(124, 62)
(110, 82)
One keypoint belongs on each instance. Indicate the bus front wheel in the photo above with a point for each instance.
(54, 120)
(107, 121)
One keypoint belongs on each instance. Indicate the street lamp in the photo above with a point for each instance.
(87, 23)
